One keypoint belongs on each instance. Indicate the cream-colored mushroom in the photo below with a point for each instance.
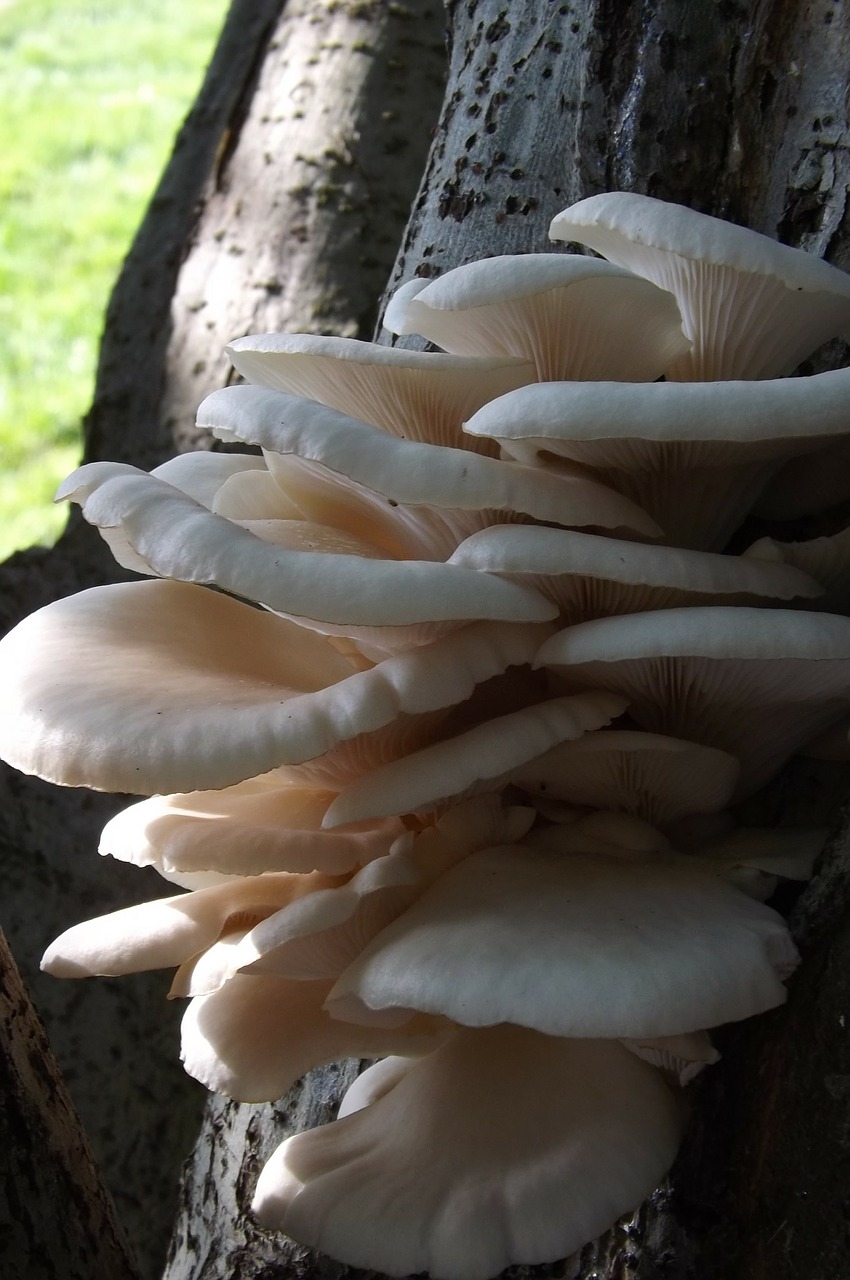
(146, 686)
(588, 576)
(694, 455)
(271, 823)
(695, 952)
(752, 308)
(412, 394)
(754, 683)
(573, 317)
(503, 1146)
(658, 778)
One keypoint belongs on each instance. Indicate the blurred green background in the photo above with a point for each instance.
(92, 96)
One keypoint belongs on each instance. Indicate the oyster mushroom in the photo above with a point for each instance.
(752, 308)
(694, 455)
(573, 317)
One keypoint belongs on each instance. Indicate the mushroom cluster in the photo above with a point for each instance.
(442, 768)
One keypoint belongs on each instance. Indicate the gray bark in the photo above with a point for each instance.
(62, 1221)
(737, 110)
(118, 1041)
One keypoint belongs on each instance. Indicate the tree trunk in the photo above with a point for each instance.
(255, 224)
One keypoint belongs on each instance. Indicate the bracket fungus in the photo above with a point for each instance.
(437, 712)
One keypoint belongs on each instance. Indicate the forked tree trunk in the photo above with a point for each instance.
(733, 108)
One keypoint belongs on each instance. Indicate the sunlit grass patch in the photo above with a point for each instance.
(92, 95)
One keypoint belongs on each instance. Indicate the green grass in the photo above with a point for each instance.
(92, 96)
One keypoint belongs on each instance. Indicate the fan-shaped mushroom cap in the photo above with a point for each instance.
(658, 778)
(473, 761)
(202, 474)
(573, 317)
(413, 394)
(753, 683)
(754, 858)
(155, 529)
(696, 952)
(255, 1036)
(500, 1147)
(694, 455)
(588, 576)
(328, 934)
(168, 931)
(753, 308)
(147, 685)
(826, 559)
(321, 941)
(433, 490)
(264, 824)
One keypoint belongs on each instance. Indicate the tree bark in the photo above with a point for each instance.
(63, 1222)
(238, 179)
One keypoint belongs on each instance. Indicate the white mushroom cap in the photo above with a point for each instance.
(324, 936)
(264, 824)
(573, 317)
(427, 485)
(202, 474)
(752, 683)
(657, 778)
(372, 1084)
(753, 308)
(328, 933)
(695, 455)
(168, 931)
(696, 952)
(155, 529)
(500, 1147)
(588, 576)
(825, 559)
(414, 394)
(255, 1036)
(476, 760)
(146, 686)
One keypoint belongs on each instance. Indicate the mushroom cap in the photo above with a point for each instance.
(145, 686)
(826, 559)
(325, 935)
(414, 394)
(573, 317)
(500, 1147)
(588, 576)
(255, 1036)
(696, 952)
(477, 760)
(752, 683)
(168, 931)
(263, 824)
(418, 479)
(155, 529)
(694, 455)
(658, 778)
(753, 308)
